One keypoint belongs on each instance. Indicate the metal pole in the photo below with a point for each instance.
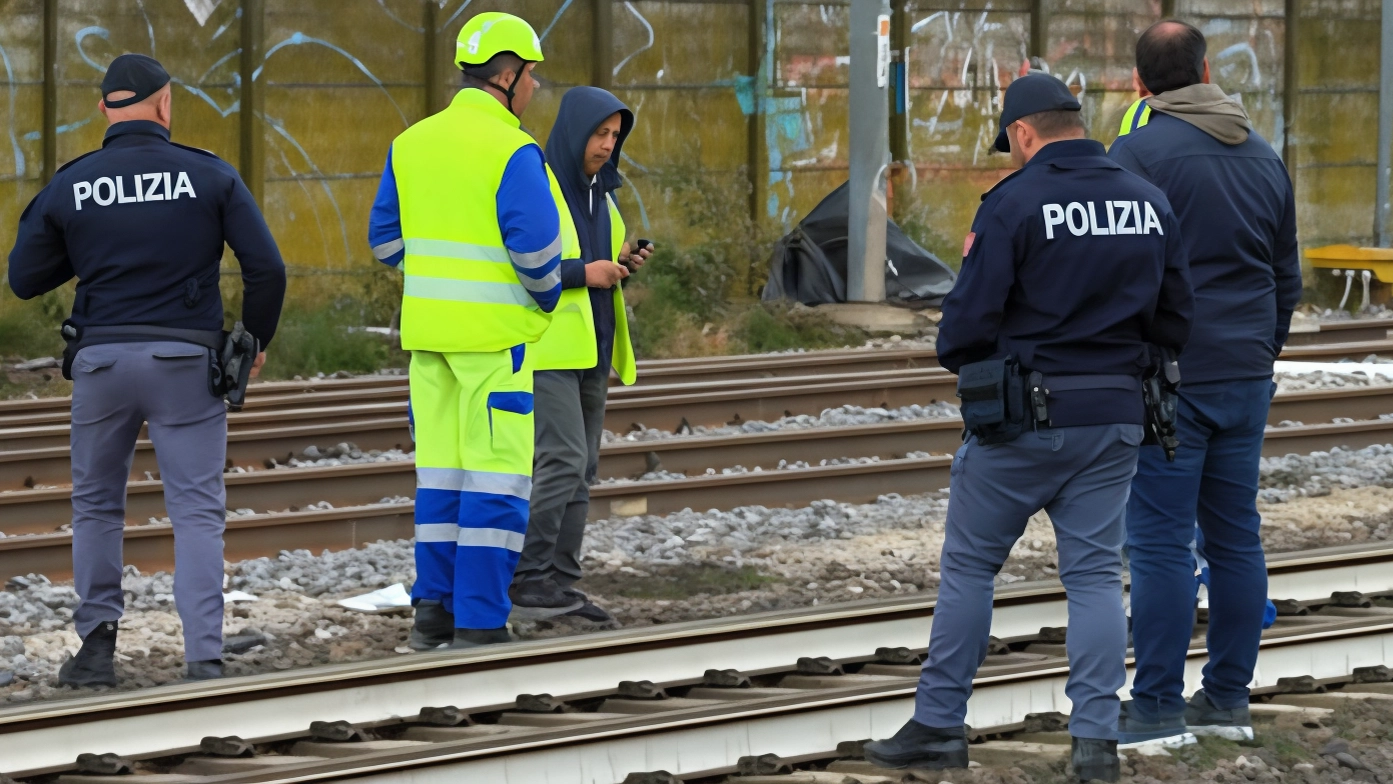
(429, 52)
(50, 120)
(1385, 123)
(870, 149)
(755, 163)
(602, 44)
(1039, 28)
(1291, 87)
(249, 131)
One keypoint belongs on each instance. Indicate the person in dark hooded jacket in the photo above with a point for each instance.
(587, 338)
(1237, 215)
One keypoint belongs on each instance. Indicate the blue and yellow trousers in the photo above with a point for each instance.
(473, 423)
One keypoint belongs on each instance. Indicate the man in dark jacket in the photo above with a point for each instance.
(1237, 215)
(588, 336)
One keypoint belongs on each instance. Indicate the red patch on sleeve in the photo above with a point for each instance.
(967, 242)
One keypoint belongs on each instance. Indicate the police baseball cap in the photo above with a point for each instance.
(138, 73)
(1032, 94)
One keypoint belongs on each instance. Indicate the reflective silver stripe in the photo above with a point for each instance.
(386, 249)
(490, 537)
(544, 283)
(537, 258)
(460, 480)
(436, 532)
(482, 292)
(456, 250)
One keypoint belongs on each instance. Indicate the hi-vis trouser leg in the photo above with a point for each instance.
(473, 415)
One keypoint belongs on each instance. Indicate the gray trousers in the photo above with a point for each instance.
(1081, 476)
(117, 388)
(569, 408)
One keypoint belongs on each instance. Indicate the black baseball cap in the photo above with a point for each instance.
(141, 74)
(1031, 94)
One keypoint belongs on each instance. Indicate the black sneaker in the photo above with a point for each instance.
(95, 662)
(536, 599)
(920, 746)
(473, 638)
(589, 611)
(1203, 718)
(1136, 731)
(1095, 759)
(434, 627)
(204, 670)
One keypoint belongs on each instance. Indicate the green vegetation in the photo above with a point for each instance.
(326, 341)
(682, 582)
(30, 329)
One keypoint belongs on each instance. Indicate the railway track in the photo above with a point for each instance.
(792, 684)
(283, 499)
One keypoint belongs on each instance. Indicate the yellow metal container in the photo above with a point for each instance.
(1348, 257)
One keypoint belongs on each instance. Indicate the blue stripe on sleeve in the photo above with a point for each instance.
(528, 219)
(384, 220)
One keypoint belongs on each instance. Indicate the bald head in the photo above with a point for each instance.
(1170, 55)
(155, 108)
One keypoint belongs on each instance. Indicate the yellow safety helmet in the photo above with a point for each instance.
(492, 33)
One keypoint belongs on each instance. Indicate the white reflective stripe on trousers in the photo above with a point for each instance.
(437, 532)
(460, 480)
(490, 537)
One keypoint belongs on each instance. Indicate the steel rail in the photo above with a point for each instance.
(170, 720)
(41, 512)
(43, 737)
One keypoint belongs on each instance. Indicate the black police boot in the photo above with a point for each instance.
(95, 662)
(589, 611)
(434, 627)
(204, 670)
(540, 598)
(473, 638)
(1096, 760)
(920, 746)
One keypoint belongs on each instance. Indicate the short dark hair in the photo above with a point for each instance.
(499, 63)
(1170, 55)
(1056, 123)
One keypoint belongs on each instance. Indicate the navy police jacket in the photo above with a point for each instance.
(141, 224)
(1074, 265)
(1236, 207)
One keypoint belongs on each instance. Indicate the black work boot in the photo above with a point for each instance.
(537, 599)
(204, 670)
(589, 610)
(1095, 759)
(473, 638)
(920, 746)
(95, 662)
(434, 627)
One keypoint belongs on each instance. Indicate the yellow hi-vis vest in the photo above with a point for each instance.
(569, 343)
(1137, 115)
(460, 293)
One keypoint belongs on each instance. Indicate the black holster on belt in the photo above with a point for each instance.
(238, 355)
(72, 337)
(1161, 395)
(993, 400)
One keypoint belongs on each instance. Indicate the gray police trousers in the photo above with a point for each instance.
(1081, 476)
(118, 387)
(569, 408)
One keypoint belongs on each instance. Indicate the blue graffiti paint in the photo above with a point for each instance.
(34, 136)
(399, 20)
(554, 19)
(642, 210)
(299, 39)
(14, 143)
(279, 128)
(641, 49)
(455, 15)
(149, 28)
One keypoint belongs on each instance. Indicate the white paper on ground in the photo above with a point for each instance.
(238, 596)
(393, 597)
(1368, 369)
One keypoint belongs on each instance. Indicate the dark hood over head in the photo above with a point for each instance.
(582, 111)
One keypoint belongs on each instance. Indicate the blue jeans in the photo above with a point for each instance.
(1080, 476)
(1214, 480)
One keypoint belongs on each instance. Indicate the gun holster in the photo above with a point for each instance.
(993, 400)
(228, 376)
(72, 337)
(1161, 396)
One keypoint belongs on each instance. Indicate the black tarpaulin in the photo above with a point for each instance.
(809, 263)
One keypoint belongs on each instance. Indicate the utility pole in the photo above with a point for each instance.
(870, 149)
(1385, 124)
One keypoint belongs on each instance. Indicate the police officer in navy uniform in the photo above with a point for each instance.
(1073, 272)
(141, 224)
